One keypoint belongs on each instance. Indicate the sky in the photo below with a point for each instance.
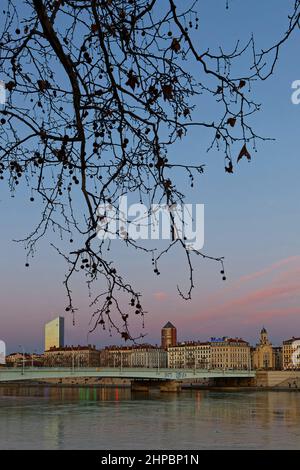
(251, 218)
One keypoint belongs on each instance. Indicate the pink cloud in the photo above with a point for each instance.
(160, 296)
(269, 269)
(279, 286)
(260, 317)
(286, 268)
(269, 293)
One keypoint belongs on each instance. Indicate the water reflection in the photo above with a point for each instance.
(99, 418)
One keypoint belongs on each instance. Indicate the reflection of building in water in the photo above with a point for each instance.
(263, 356)
(273, 408)
(288, 349)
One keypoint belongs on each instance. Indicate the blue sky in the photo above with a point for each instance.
(251, 218)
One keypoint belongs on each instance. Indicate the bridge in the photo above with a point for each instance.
(168, 379)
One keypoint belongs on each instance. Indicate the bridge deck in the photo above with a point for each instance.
(16, 374)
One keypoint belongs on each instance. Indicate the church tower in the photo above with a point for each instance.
(263, 357)
(264, 337)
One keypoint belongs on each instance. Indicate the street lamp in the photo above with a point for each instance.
(23, 362)
(73, 360)
(32, 357)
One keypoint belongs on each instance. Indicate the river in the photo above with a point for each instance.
(102, 418)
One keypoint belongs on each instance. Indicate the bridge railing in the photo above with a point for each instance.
(42, 373)
(132, 371)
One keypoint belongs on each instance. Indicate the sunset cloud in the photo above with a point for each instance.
(286, 262)
(160, 295)
(276, 296)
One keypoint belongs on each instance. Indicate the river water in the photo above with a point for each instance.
(95, 418)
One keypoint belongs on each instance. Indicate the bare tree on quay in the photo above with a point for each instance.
(97, 93)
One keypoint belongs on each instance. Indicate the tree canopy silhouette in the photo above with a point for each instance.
(97, 92)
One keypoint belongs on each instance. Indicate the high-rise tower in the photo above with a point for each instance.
(168, 336)
(54, 333)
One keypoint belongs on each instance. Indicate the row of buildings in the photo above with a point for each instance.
(235, 353)
(217, 353)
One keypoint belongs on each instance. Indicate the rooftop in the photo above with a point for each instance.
(291, 340)
(169, 325)
(89, 347)
(190, 343)
(131, 348)
(216, 342)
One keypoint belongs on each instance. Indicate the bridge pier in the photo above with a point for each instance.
(170, 386)
(139, 386)
(164, 385)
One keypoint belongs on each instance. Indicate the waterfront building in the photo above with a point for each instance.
(30, 360)
(115, 356)
(54, 333)
(290, 359)
(230, 353)
(190, 355)
(168, 336)
(17, 359)
(73, 356)
(143, 355)
(264, 355)
(149, 356)
(278, 357)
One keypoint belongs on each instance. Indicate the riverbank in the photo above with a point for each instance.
(194, 387)
(242, 389)
(71, 382)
